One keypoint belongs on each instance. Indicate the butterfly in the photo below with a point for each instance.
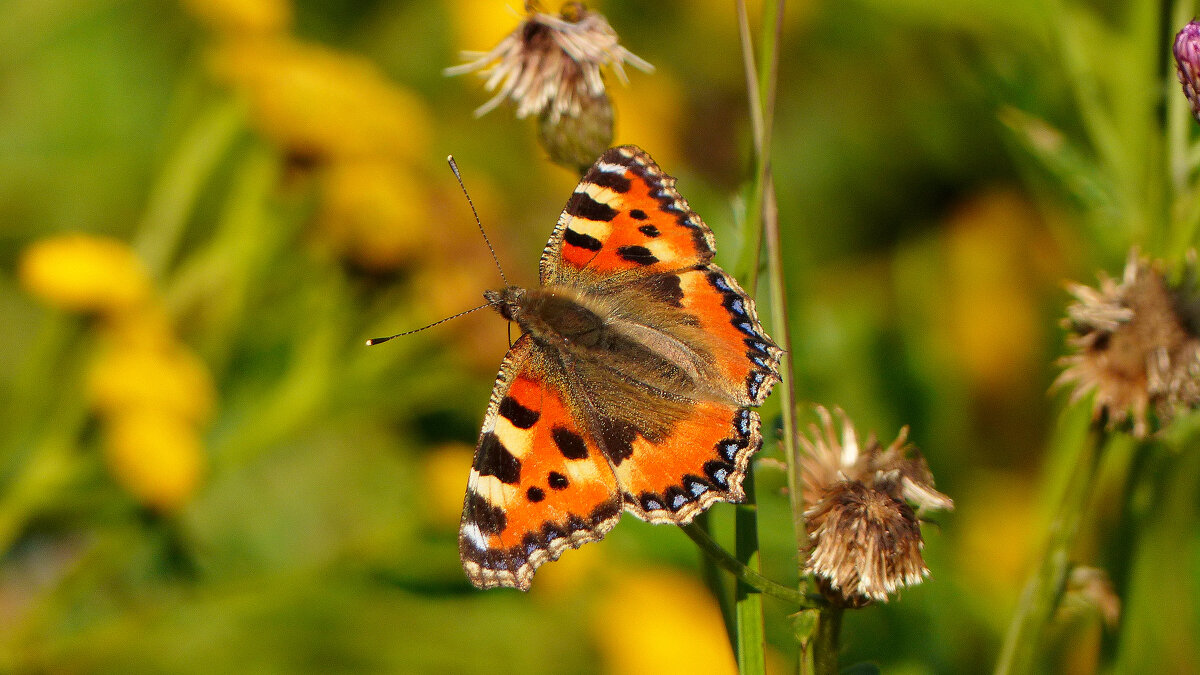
(630, 387)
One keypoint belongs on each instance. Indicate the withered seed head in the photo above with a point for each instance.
(550, 65)
(1135, 344)
(864, 533)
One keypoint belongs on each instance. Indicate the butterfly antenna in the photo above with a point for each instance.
(458, 176)
(380, 340)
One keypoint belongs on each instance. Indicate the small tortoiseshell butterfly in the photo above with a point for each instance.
(630, 386)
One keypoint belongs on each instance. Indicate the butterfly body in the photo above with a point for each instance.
(630, 387)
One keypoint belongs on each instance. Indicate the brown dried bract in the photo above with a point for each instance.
(1135, 344)
(864, 533)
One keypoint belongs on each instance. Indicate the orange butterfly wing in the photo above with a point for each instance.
(538, 484)
(625, 224)
(707, 454)
(742, 351)
(625, 216)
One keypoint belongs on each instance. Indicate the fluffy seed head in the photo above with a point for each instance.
(864, 533)
(551, 63)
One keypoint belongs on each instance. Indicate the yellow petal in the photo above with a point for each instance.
(156, 456)
(84, 273)
(374, 212)
(317, 102)
(480, 24)
(171, 379)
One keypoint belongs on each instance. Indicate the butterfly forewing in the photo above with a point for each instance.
(625, 217)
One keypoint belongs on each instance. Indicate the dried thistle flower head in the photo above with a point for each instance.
(551, 64)
(864, 534)
(1135, 344)
(1187, 64)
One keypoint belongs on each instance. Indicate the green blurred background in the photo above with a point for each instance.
(216, 476)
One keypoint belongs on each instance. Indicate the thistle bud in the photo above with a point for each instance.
(1187, 64)
(575, 141)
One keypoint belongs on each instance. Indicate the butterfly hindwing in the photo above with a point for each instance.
(625, 217)
(538, 485)
(703, 460)
(745, 356)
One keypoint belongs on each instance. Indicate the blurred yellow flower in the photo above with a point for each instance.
(319, 103)
(445, 471)
(147, 326)
(84, 273)
(242, 17)
(652, 621)
(994, 543)
(374, 213)
(482, 22)
(445, 290)
(991, 290)
(648, 114)
(169, 378)
(155, 455)
(576, 570)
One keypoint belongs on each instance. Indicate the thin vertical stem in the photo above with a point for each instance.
(752, 231)
(760, 87)
(710, 570)
(1177, 112)
(748, 609)
(826, 641)
(1043, 590)
(779, 319)
(751, 634)
(175, 192)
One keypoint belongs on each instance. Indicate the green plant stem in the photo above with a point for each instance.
(52, 464)
(783, 336)
(1042, 592)
(1178, 114)
(1097, 119)
(826, 641)
(711, 573)
(748, 605)
(1153, 604)
(222, 273)
(751, 577)
(760, 86)
(174, 194)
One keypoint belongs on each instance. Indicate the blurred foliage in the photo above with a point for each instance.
(209, 206)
